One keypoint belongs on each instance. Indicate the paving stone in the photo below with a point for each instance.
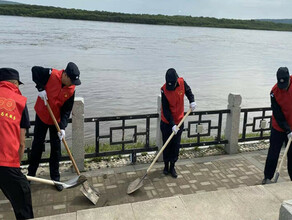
(195, 176)
(193, 181)
(149, 188)
(4, 202)
(205, 183)
(185, 186)
(171, 184)
(185, 172)
(55, 207)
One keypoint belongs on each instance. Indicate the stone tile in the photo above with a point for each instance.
(185, 186)
(185, 172)
(149, 188)
(197, 174)
(171, 184)
(205, 183)
(62, 206)
(202, 175)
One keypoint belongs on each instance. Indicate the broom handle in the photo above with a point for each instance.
(284, 155)
(63, 139)
(168, 140)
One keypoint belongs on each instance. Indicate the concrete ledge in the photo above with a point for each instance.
(111, 212)
(71, 216)
(286, 210)
(254, 202)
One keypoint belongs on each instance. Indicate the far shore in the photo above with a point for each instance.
(77, 14)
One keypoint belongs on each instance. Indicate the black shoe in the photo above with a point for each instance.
(172, 171)
(166, 169)
(59, 187)
(266, 181)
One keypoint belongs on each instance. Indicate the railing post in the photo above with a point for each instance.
(78, 132)
(232, 123)
(158, 131)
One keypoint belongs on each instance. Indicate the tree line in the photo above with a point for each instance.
(78, 14)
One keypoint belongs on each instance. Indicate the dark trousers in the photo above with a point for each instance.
(277, 139)
(170, 153)
(40, 131)
(16, 188)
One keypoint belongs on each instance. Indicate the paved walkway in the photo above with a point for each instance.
(215, 173)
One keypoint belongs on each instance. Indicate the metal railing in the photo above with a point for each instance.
(202, 128)
(125, 140)
(208, 122)
(255, 122)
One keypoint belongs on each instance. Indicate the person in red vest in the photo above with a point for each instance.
(14, 120)
(58, 88)
(281, 105)
(172, 112)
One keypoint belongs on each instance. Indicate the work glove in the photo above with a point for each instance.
(289, 135)
(175, 129)
(193, 106)
(43, 96)
(61, 134)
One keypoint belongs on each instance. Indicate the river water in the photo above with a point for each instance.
(123, 65)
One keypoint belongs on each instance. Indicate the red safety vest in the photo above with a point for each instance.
(57, 96)
(175, 99)
(12, 104)
(284, 99)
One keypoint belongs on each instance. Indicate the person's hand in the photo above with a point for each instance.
(289, 135)
(61, 134)
(43, 96)
(193, 106)
(175, 129)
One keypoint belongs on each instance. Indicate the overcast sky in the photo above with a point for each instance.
(238, 9)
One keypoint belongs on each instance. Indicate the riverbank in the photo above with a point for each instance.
(78, 14)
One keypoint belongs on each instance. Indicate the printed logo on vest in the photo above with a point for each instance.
(7, 104)
(180, 92)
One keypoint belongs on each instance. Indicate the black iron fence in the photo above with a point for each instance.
(256, 124)
(134, 134)
(127, 143)
(205, 128)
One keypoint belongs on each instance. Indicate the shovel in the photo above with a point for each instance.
(282, 160)
(138, 183)
(86, 189)
(76, 181)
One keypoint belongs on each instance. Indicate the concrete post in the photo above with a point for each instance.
(159, 142)
(232, 123)
(78, 132)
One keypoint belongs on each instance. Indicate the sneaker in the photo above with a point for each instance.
(266, 181)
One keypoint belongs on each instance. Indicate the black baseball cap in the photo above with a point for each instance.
(9, 74)
(73, 72)
(283, 77)
(171, 79)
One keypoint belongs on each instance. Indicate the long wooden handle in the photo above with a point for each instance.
(63, 139)
(284, 155)
(40, 180)
(168, 140)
